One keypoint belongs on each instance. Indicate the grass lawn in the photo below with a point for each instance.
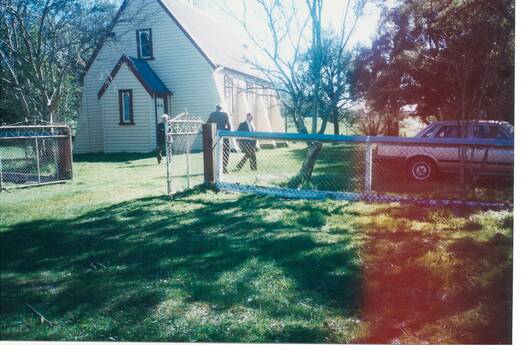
(109, 257)
(341, 168)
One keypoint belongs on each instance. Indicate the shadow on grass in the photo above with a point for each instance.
(229, 259)
(111, 157)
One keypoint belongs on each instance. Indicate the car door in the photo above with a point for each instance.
(447, 156)
(492, 159)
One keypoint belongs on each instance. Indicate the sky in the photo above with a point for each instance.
(333, 16)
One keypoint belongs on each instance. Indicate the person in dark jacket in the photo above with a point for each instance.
(222, 120)
(248, 147)
(161, 141)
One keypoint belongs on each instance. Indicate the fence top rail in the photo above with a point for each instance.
(33, 137)
(367, 139)
(173, 121)
(10, 127)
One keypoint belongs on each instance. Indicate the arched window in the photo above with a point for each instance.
(144, 44)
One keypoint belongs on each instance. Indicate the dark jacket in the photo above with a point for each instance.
(246, 146)
(221, 119)
(161, 135)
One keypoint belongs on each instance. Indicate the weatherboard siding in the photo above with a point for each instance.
(183, 69)
(128, 138)
(177, 62)
(81, 140)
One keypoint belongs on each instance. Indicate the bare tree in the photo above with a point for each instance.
(42, 45)
(45, 46)
(281, 60)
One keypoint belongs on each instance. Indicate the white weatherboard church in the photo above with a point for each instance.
(165, 56)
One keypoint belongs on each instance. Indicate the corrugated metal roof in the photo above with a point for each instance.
(221, 46)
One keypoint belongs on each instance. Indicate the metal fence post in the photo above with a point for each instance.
(188, 161)
(37, 159)
(1, 174)
(70, 152)
(219, 146)
(368, 166)
(168, 153)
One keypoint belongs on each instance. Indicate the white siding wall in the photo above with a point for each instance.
(128, 138)
(81, 144)
(239, 81)
(177, 62)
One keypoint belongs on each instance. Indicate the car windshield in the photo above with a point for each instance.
(509, 129)
(428, 131)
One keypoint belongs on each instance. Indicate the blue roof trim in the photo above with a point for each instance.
(149, 76)
(144, 74)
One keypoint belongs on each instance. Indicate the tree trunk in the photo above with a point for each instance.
(336, 125)
(314, 149)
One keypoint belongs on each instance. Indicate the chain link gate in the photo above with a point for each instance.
(35, 155)
(181, 138)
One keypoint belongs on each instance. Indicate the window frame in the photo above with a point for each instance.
(502, 135)
(459, 127)
(139, 44)
(121, 107)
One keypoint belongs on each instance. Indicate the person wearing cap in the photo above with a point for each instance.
(222, 120)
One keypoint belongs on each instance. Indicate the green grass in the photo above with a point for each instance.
(110, 257)
(341, 167)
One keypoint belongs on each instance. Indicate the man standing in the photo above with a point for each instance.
(222, 120)
(248, 147)
(161, 141)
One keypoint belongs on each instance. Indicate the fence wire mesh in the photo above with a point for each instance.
(392, 169)
(34, 155)
(183, 165)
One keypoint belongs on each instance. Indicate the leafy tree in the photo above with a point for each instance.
(44, 46)
(334, 88)
(447, 59)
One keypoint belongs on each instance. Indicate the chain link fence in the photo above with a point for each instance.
(183, 165)
(34, 155)
(437, 171)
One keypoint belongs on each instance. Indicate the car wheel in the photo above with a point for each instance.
(421, 169)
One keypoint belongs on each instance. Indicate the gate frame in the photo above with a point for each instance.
(191, 124)
(69, 153)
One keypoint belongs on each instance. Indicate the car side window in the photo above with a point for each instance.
(448, 131)
(488, 132)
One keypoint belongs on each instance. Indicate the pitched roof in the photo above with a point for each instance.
(144, 74)
(218, 45)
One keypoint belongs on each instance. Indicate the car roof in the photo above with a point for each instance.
(460, 122)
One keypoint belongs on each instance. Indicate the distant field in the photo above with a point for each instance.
(111, 258)
(408, 127)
